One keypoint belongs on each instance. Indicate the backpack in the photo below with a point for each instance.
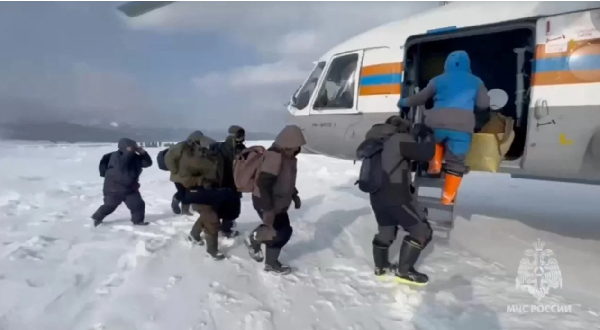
(160, 159)
(246, 167)
(103, 166)
(370, 177)
(371, 174)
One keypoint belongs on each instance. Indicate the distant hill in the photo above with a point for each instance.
(73, 132)
(34, 120)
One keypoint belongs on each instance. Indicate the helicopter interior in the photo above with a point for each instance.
(495, 60)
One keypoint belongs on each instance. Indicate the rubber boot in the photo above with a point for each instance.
(226, 230)
(410, 250)
(230, 234)
(194, 236)
(185, 209)
(451, 184)
(254, 248)
(97, 222)
(381, 259)
(435, 164)
(175, 205)
(272, 263)
(212, 247)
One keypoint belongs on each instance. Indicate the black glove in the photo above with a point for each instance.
(421, 131)
(297, 201)
(404, 112)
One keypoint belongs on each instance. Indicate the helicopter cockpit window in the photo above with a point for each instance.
(302, 96)
(337, 91)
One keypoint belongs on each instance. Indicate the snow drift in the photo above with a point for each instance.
(58, 272)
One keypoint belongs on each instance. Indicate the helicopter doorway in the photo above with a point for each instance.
(501, 56)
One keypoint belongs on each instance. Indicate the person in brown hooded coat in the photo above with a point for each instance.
(274, 193)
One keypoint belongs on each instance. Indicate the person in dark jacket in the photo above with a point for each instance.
(229, 149)
(121, 170)
(395, 205)
(274, 193)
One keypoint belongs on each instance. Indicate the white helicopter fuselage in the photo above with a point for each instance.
(554, 82)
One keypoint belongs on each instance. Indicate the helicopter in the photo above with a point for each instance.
(545, 57)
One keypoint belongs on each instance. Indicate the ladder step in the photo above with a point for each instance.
(434, 203)
(441, 225)
(422, 181)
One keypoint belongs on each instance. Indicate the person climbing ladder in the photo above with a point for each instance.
(456, 94)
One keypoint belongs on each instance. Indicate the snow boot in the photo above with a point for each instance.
(194, 240)
(451, 184)
(226, 229)
(97, 222)
(195, 232)
(141, 223)
(185, 209)
(409, 254)
(272, 264)
(435, 164)
(175, 205)
(380, 259)
(254, 248)
(230, 234)
(212, 247)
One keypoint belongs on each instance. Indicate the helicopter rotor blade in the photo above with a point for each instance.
(139, 8)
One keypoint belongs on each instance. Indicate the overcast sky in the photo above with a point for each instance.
(190, 64)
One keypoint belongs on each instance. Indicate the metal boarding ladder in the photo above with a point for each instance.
(440, 216)
(429, 191)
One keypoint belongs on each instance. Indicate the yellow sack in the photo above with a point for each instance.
(489, 147)
(484, 155)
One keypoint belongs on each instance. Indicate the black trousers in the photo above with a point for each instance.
(413, 221)
(133, 201)
(180, 194)
(282, 227)
(229, 211)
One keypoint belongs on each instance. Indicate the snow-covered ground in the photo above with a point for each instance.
(58, 272)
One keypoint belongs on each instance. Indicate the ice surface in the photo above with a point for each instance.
(59, 272)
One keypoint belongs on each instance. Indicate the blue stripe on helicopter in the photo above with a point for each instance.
(381, 79)
(565, 63)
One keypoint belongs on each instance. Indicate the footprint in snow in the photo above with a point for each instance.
(258, 320)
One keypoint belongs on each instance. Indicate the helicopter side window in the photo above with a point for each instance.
(337, 90)
(302, 96)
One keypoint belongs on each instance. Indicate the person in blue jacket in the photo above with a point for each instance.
(456, 93)
(121, 170)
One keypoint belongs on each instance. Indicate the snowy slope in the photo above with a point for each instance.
(58, 272)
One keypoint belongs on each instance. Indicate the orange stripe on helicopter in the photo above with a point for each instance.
(381, 79)
(565, 77)
(385, 68)
(582, 47)
(394, 89)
